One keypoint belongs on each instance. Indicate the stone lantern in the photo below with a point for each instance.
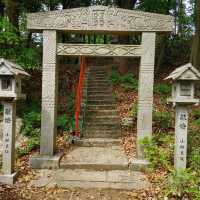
(10, 80)
(10, 91)
(183, 95)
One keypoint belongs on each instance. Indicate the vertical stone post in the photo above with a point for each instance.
(47, 158)
(181, 129)
(145, 93)
(9, 123)
(49, 94)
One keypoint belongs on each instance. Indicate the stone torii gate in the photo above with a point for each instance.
(95, 19)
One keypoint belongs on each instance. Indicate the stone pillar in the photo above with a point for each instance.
(47, 158)
(181, 129)
(9, 122)
(49, 94)
(145, 93)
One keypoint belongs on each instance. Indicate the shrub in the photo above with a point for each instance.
(163, 89)
(194, 159)
(196, 114)
(62, 122)
(157, 156)
(182, 184)
(196, 122)
(134, 111)
(31, 124)
(129, 82)
(162, 120)
(32, 144)
(115, 77)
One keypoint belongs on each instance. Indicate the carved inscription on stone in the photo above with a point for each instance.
(181, 137)
(8, 137)
(99, 50)
(100, 18)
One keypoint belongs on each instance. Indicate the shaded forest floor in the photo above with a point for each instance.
(126, 106)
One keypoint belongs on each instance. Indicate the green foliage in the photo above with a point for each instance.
(158, 156)
(31, 124)
(134, 111)
(127, 81)
(182, 184)
(13, 47)
(162, 7)
(196, 116)
(115, 77)
(71, 124)
(162, 89)
(194, 159)
(33, 143)
(162, 120)
(30, 58)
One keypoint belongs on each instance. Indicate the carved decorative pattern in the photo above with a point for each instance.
(99, 50)
(100, 19)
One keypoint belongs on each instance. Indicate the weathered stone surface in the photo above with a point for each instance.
(9, 137)
(46, 162)
(145, 92)
(98, 142)
(18, 137)
(49, 94)
(138, 165)
(99, 158)
(8, 178)
(100, 19)
(99, 50)
(181, 129)
(115, 179)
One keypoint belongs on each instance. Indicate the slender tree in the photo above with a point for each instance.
(195, 53)
(12, 8)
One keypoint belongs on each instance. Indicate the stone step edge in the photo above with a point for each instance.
(97, 142)
(95, 166)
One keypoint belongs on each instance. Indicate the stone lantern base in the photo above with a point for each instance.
(9, 179)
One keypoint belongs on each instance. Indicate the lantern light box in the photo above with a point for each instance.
(11, 76)
(183, 84)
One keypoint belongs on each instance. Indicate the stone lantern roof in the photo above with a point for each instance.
(185, 72)
(10, 68)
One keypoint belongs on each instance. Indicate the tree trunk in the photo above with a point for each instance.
(195, 53)
(180, 17)
(2, 7)
(12, 11)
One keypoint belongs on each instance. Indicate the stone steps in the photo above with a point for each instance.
(97, 142)
(87, 179)
(102, 119)
(100, 134)
(95, 158)
(95, 102)
(102, 112)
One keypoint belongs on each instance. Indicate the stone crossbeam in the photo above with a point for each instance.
(99, 50)
(100, 19)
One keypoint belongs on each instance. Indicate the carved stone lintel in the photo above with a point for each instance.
(100, 19)
(99, 50)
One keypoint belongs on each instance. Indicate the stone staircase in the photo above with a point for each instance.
(102, 119)
(97, 160)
